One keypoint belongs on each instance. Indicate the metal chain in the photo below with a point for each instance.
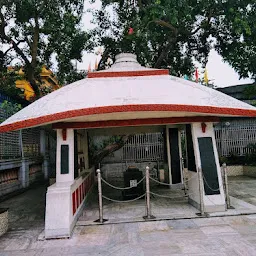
(168, 184)
(126, 201)
(112, 186)
(159, 182)
(209, 185)
(173, 197)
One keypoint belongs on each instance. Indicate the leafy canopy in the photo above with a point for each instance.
(38, 32)
(174, 33)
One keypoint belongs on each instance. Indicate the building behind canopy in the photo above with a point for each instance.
(129, 99)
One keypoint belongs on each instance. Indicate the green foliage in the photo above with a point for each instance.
(250, 158)
(173, 33)
(250, 94)
(7, 83)
(38, 32)
(9, 108)
(234, 159)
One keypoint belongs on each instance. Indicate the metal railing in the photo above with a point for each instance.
(199, 175)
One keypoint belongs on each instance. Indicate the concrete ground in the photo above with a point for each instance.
(231, 235)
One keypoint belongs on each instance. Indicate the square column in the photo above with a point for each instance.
(59, 220)
(65, 156)
(206, 158)
(44, 152)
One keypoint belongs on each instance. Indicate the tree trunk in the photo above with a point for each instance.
(165, 52)
(31, 79)
(100, 155)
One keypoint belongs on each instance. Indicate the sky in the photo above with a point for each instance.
(219, 72)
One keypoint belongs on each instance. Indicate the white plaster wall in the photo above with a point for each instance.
(59, 218)
(69, 177)
(211, 202)
(58, 210)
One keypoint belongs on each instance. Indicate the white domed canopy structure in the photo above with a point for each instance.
(127, 91)
(139, 100)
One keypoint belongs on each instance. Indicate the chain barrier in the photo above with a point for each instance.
(147, 194)
(212, 189)
(112, 186)
(168, 184)
(126, 201)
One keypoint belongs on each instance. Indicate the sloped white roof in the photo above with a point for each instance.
(121, 98)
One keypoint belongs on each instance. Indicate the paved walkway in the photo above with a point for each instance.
(234, 235)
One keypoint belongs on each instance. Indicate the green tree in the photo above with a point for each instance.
(37, 32)
(173, 33)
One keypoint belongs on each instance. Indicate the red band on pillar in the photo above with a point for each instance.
(203, 126)
(64, 134)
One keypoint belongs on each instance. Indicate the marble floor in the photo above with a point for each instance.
(222, 236)
(173, 205)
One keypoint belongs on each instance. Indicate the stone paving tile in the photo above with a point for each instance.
(222, 236)
(153, 226)
(181, 224)
(209, 221)
(218, 230)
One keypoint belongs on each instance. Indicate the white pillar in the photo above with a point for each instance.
(24, 170)
(44, 152)
(59, 220)
(215, 202)
(24, 173)
(68, 141)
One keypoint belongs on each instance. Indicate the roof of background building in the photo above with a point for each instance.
(237, 91)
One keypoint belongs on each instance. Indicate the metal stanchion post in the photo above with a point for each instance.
(148, 206)
(101, 220)
(183, 176)
(201, 191)
(226, 186)
(224, 182)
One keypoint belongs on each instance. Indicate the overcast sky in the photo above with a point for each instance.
(219, 72)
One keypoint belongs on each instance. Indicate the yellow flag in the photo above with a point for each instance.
(206, 80)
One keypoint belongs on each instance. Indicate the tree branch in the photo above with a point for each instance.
(35, 42)
(103, 57)
(164, 24)
(165, 52)
(9, 40)
(98, 157)
(204, 23)
(5, 53)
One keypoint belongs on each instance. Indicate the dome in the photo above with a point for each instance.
(127, 91)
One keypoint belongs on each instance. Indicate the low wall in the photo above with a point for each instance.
(64, 204)
(250, 171)
(239, 170)
(19, 173)
(80, 190)
(235, 170)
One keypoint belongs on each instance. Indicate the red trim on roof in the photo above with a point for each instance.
(125, 108)
(157, 72)
(135, 122)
